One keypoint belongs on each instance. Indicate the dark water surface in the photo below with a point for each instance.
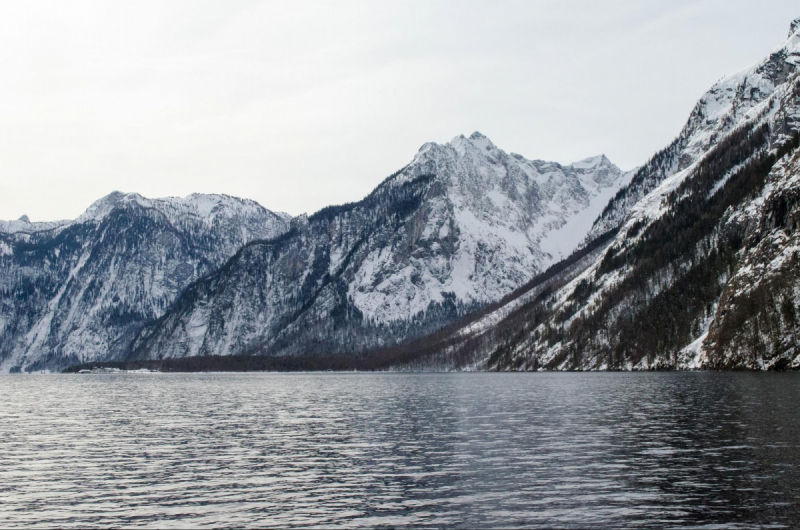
(461, 450)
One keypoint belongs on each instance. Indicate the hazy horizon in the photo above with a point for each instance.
(299, 107)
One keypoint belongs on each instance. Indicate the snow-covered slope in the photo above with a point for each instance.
(80, 290)
(755, 321)
(698, 264)
(724, 107)
(25, 226)
(505, 217)
(463, 224)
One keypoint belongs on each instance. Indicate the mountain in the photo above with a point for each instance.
(80, 290)
(692, 265)
(462, 225)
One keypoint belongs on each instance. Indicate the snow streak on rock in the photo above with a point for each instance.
(80, 290)
(701, 267)
(462, 225)
(724, 107)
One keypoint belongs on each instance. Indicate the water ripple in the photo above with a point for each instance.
(416, 450)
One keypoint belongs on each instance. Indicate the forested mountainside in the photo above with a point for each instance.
(717, 113)
(462, 225)
(73, 291)
(697, 262)
(467, 258)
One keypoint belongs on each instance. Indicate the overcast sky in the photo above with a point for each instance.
(303, 104)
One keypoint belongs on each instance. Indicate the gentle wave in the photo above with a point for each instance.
(416, 450)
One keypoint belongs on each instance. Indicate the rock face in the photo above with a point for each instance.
(73, 291)
(463, 224)
(756, 323)
(694, 264)
(691, 261)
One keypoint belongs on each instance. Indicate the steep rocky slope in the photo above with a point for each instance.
(462, 225)
(723, 108)
(755, 323)
(80, 290)
(693, 264)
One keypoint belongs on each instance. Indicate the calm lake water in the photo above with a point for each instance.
(419, 450)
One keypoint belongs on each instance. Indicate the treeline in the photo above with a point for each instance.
(443, 346)
(673, 270)
(633, 322)
(661, 324)
(243, 363)
(664, 163)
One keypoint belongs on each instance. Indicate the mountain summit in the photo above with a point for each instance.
(694, 264)
(462, 225)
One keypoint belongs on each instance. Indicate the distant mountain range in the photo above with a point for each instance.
(467, 258)
(462, 225)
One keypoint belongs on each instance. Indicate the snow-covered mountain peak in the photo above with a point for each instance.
(791, 48)
(592, 162)
(494, 220)
(95, 281)
(474, 167)
(794, 27)
(737, 96)
(461, 145)
(599, 171)
(481, 150)
(481, 141)
(204, 206)
(299, 221)
(102, 206)
(475, 143)
(214, 205)
(24, 225)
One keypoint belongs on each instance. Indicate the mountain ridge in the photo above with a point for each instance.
(466, 258)
(458, 227)
(675, 286)
(78, 290)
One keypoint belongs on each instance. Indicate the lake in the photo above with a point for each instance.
(567, 450)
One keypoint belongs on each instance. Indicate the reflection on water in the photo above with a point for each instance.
(468, 450)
